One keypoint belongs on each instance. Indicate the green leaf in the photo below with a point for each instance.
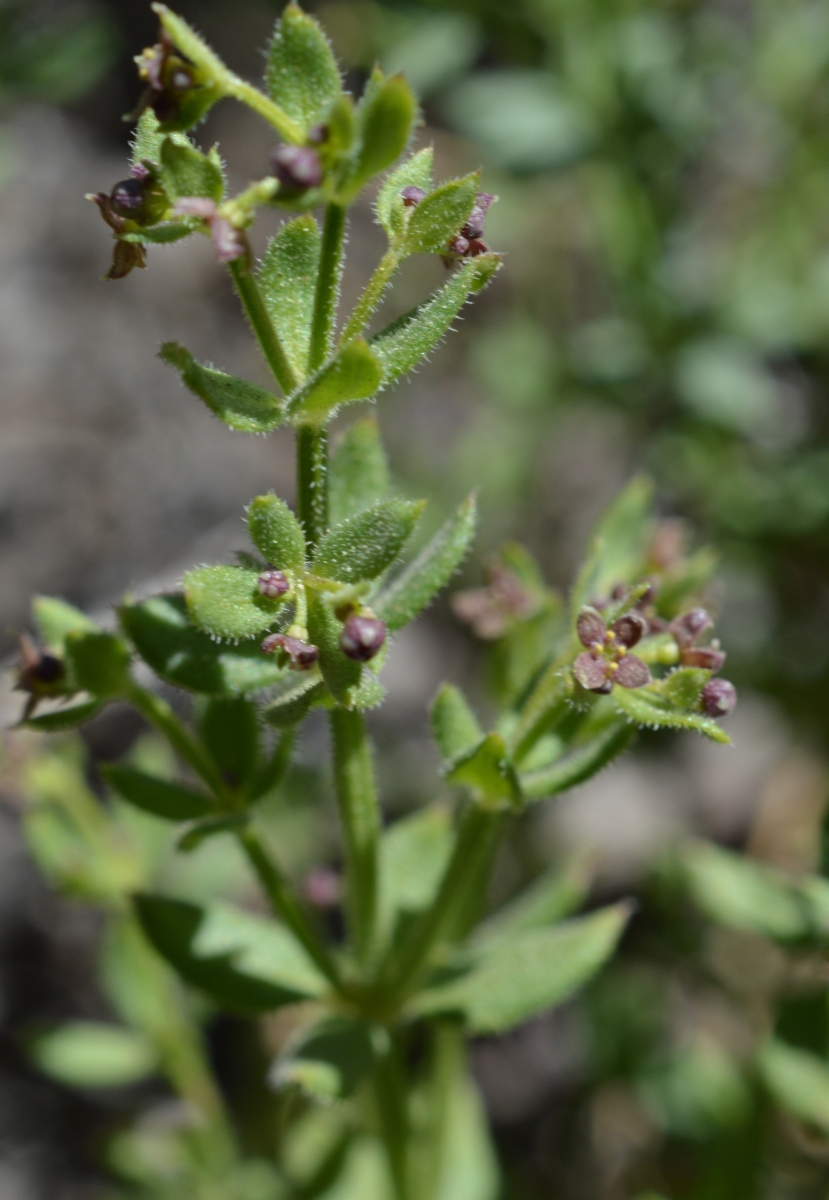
(296, 700)
(89, 1054)
(454, 725)
(98, 662)
(683, 686)
(798, 1080)
(229, 729)
(56, 619)
(417, 585)
(414, 172)
(302, 76)
(580, 764)
(402, 345)
(414, 852)
(646, 708)
(363, 547)
(329, 1061)
(524, 976)
(173, 801)
(245, 963)
(487, 771)
(64, 718)
(354, 373)
(359, 473)
(193, 835)
(287, 279)
(225, 602)
(161, 632)
(385, 119)
(185, 171)
(617, 544)
(241, 405)
(341, 674)
(441, 215)
(370, 693)
(147, 140)
(556, 893)
(276, 533)
(732, 890)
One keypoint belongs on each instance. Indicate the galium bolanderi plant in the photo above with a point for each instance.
(375, 1096)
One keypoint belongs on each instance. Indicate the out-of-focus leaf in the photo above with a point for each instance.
(617, 544)
(287, 279)
(328, 1061)
(354, 373)
(439, 47)
(69, 717)
(173, 801)
(798, 1080)
(733, 890)
(55, 619)
(488, 772)
(414, 852)
(229, 728)
(528, 974)
(416, 586)
(557, 893)
(302, 74)
(521, 119)
(245, 963)
(580, 764)
(414, 172)
(364, 546)
(241, 405)
(162, 634)
(225, 602)
(98, 663)
(414, 335)
(455, 727)
(359, 473)
(89, 1054)
(276, 533)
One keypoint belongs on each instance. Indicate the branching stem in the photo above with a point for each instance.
(328, 286)
(263, 327)
(371, 297)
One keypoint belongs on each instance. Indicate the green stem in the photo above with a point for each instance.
(390, 1096)
(246, 93)
(479, 829)
(548, 703)
(371, 297)
(285, 905)
(328, 286)
(312, 482)
(263, 328)
(159, 714)
(360, 818)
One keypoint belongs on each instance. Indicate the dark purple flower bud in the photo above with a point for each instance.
(718, 698)
(297, 168)
(476, 247)
(273, 584)
(631, 672)
(590, 628)
(127, 197)
(591, 672)
(690, 626)
(139, 171)
(412, 195)
(458, 245)
(474, 227)
(40, 673)
(303, 656)
(629, 629)
(711, 658)
(362, 637)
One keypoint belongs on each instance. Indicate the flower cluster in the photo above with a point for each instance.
(176, 91)
(606, 659)
(468, 243)
(718, 696)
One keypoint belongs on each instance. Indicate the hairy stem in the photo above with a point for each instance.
(312, 482)
(328, 286)
(159, 714)
(360, 817)
(548, 703)
(479, 828)
(371, 297)
(285, 905)
(263, 328)
(390, 1096)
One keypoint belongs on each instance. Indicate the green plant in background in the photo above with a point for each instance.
(374, 1097)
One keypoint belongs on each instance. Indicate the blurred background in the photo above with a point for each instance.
(663, 174)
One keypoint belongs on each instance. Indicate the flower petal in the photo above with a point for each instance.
(591, 672)
(632, 672)
(590, 627)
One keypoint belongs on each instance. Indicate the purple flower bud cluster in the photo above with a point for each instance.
(298, 168)
(718, 697)
(606, 659)
(468, 243)
(301, 655)
(272, 584)
(363, 637)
